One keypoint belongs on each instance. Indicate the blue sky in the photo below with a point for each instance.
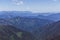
(30, 5)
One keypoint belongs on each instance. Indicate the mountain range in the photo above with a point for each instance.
(39, 26)
(29, 14)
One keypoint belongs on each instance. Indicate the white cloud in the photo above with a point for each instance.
(18, 2)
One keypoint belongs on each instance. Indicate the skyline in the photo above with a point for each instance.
(30, 5)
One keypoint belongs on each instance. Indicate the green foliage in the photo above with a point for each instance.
(12, 37)
(19, 34)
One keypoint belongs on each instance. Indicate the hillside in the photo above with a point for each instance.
(50, 31)
(24, 23)
(8, 32)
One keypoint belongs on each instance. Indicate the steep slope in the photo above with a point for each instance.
(8, 32)
(50, 31)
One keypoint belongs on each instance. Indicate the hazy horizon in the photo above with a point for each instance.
(27, 11)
